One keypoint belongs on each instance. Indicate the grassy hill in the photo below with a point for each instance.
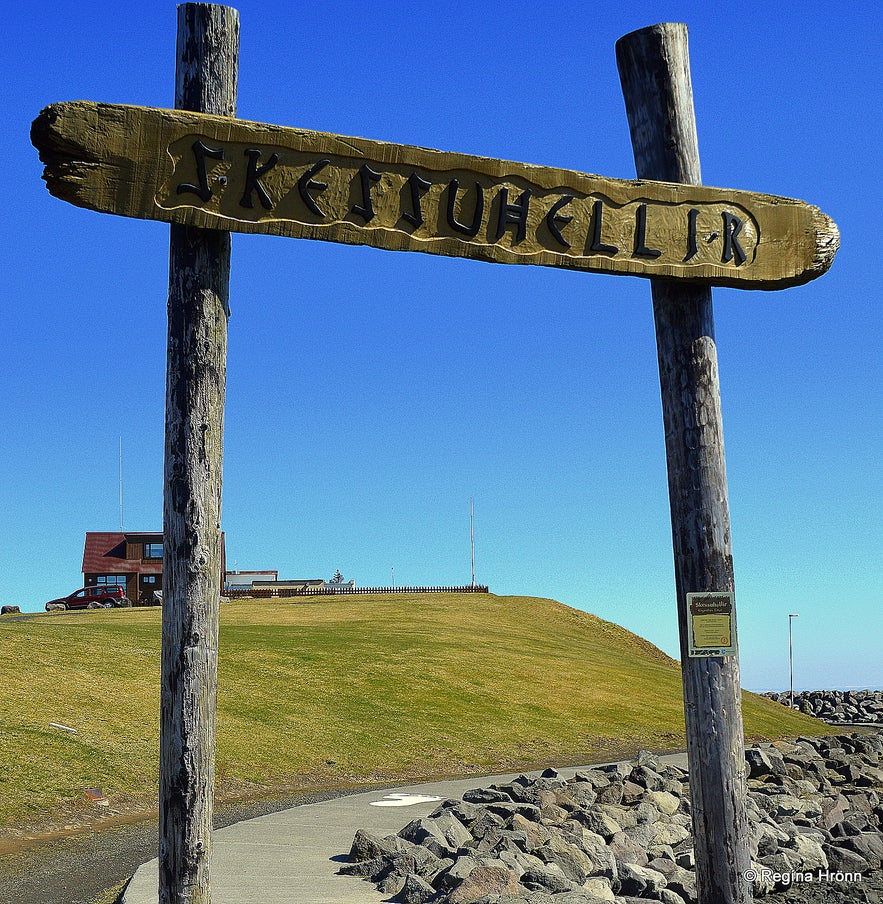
(336, 691)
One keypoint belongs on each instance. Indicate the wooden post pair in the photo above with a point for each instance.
(654, 69)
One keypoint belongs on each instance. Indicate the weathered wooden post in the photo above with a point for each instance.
(199, 274)
(654, 69)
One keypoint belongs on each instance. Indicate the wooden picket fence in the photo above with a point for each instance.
(269, 592)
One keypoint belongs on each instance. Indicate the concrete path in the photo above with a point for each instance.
(293, 856)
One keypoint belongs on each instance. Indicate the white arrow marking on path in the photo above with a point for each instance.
(403, 800)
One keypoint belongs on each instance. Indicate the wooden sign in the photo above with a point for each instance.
(208, 171)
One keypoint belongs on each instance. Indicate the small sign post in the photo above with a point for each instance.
(208, 174)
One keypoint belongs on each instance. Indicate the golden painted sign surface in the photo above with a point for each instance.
(221, 173)
(711, 624)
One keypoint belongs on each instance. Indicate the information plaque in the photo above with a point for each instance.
(711, 624)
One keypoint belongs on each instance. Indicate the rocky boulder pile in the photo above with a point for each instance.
(622, 833)
(837, 707)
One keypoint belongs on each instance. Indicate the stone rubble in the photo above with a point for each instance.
(622, 833)
(836, 707)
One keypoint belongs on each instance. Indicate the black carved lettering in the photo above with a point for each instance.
(641, 249)
(732, 248)
(418, 186)
(366, 208)
(201, 151)
(307, 184)
(597, 225)
(513, 214)
(253, 179)
(692, 241)
(554, 221)
(471, 230)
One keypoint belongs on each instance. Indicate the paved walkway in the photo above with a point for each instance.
(293, 856)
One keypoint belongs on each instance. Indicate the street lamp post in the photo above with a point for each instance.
(791, 615)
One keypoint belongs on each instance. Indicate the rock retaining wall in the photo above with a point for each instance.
(622, 833)
(837, 707)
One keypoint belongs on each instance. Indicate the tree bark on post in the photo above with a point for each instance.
(198, 307)
(654, 70)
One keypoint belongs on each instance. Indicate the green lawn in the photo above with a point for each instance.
(337, 691)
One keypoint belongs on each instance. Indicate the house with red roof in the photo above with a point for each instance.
(133, 559)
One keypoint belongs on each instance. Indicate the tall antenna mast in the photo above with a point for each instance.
(472, 537)
(121, 483)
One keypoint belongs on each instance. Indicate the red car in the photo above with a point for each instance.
(99, 596)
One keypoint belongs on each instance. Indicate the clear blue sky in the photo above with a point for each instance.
(370, 394)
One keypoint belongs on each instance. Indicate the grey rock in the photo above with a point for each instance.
(483, 823)
(669, 833)
(600, 887)
(367, 846)
(763, 763)
(681, 882)
(661, 852)
(453, 830)
(668, 896)
(464, 811)
(486, 796)
(646, 812)
(627, 851)
(535, 833)
(594, 777)
(548, 877)
(610, 793)
(366, 869)
(415, 891)
(573, 861)
(647, 778)
(869, 846)
(809, 852)
(507, 810)
(582, 794)
(640, 881)
(456, 873)
(623, 815)
(599, 822)
(484, 881)
(645, 835)
(427, 833)
(842, 859)
(664, 801)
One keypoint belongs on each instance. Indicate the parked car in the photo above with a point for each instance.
(150, 598)
(98, 596)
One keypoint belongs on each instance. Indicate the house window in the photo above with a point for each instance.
(105, 579)
(153, 550)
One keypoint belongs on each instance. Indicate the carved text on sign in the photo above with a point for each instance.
(221, 173)
(243, 182)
